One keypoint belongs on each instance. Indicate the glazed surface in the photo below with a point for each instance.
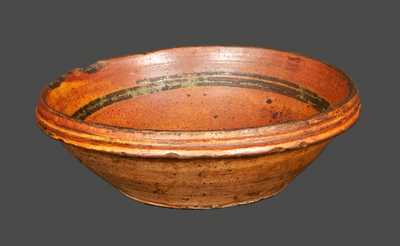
(199, 183)
(199, 127)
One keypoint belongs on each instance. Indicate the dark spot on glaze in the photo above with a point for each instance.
(256, 193)
(204, 94)
(275, 115)
(93, 68)
(269, 101)
(215, 116)
(57, 82)
(88, 69)
(158, 191)
(294, 59)
(188, 95)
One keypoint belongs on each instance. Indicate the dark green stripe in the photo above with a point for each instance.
(154, 85)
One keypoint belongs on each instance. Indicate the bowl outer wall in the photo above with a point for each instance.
(199, 183)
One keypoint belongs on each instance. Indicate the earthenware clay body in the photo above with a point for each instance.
(199, 127)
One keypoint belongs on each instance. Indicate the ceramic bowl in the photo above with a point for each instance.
(199, 127)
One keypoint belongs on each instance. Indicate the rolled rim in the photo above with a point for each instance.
(199, 143)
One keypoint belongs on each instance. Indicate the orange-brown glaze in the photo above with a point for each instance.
(203, 108)
(199, 183)
(199, 127)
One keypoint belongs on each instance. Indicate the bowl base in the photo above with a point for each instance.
(202, 207)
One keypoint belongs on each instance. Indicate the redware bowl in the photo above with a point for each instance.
(199, 127)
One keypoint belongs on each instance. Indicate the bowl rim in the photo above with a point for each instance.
(201, 143)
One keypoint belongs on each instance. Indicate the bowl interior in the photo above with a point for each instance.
(199, 89)
(203, 108)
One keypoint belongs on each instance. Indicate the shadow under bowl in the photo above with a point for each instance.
(199, 127)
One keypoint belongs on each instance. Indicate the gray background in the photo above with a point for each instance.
(349, 195)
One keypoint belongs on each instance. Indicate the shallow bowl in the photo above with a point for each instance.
(199, 127)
